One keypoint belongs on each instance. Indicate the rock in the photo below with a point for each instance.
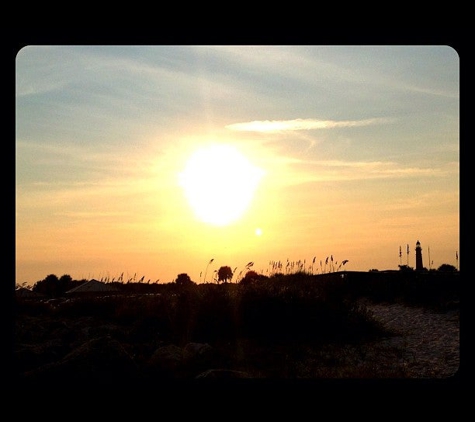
(102, 359)
(166, 361)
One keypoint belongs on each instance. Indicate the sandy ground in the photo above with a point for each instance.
(429, 341)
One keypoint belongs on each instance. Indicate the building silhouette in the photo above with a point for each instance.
(419, 265)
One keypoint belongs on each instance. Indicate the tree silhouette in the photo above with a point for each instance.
(447, 268)
(183, 279)
(65, 283)
(53, 286)
(225, 273)
(49, 286)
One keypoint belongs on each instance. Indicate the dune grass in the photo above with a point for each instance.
(284, 326)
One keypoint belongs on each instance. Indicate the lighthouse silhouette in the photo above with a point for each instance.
(419, 265)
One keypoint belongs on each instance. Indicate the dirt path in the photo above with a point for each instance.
(429, 341)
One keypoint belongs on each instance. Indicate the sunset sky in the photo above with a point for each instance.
(152, 160)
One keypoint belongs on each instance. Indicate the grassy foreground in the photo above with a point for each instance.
(285, 327)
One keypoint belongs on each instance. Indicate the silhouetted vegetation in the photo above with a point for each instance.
(225, 274)
(184, 279)
(426, 288)
(274, 308)
(447, 268)
(53, 286)
(250, 324)
(252, 277)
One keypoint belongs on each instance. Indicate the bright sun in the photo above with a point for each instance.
(219, 183)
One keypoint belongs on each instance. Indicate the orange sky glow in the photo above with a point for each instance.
(341, 151)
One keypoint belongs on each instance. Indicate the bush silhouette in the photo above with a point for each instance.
(251, 277)
(447, 268)
(184, 279)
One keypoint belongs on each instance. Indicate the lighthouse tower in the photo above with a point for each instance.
(419, 265)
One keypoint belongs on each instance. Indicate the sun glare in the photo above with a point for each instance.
(219, 183)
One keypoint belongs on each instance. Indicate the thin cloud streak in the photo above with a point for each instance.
(307, 171)
(301, 124)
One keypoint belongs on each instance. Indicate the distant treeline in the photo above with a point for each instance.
(435, 286)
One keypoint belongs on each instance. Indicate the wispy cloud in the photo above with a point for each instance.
(372, 169)
(301, 124)
(305, 171)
